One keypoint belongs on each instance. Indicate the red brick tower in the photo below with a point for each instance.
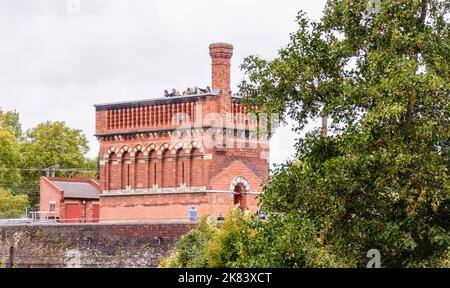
(159, 156)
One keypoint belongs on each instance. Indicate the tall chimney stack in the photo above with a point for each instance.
(221, 54)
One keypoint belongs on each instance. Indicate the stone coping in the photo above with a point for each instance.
(160, 191)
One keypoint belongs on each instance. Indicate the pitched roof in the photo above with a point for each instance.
(77, 189)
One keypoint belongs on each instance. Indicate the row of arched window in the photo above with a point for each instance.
(153, 166)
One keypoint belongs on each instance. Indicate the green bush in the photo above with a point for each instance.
(246, 241)
(190, 250)
(225, 247)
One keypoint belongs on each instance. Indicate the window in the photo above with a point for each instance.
(52, 206)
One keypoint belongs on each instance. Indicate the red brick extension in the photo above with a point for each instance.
(160, 156)
(51, 193)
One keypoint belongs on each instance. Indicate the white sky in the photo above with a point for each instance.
(55, 65)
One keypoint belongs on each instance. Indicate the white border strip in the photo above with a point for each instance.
(138, 193)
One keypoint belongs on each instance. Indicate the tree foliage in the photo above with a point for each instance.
(52, 145)
(10, 120)
(9, 159)
(245, 241)
(12, 206)
(380, 179)
(10, 135)
(190, 250)
(24, 156)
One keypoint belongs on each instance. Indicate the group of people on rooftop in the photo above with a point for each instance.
(189, 91)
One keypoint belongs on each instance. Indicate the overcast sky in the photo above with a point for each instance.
(56, 62)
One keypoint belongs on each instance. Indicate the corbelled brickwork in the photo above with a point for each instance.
(89, 245)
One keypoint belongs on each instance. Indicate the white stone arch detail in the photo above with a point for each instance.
(149, 148)
(192, 145)
(108, 152)
(137, 148)
(240, 180)
(176, 147)
(125, 148)
(163, 147)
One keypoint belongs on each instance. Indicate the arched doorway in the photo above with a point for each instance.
(239, 186)
(237, 197)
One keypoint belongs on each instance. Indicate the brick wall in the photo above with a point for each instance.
(223, 179)
(164, 206)
(50, 193)
(94, 245)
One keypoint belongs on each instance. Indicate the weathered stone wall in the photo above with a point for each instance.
(89, 245)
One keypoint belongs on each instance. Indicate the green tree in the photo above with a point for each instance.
(52, 144)
(12, 206)
(9, 159)
(10, 119)
(381, 180)
(89, 169)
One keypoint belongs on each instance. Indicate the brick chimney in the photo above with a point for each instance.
(221, 54)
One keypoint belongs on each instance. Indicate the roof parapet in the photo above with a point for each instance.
(162, 100)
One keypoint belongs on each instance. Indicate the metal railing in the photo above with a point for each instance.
(122, 220)
(49, 221)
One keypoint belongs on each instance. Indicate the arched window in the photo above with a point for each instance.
(179, 168)
(196, 169)
(165, 169)
(113, 172)
(126, 171)
(151, 177)
(140, 177)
